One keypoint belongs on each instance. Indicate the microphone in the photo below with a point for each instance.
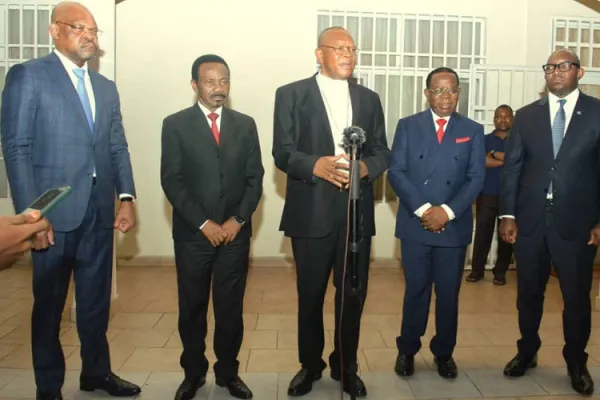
(353, 139)
(353, 136)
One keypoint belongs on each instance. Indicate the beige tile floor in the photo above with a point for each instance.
(145, 343)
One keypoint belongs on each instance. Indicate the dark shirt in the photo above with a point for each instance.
(491, 185)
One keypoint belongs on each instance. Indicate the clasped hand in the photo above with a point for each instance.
(434, 219)
(335, 170)
(221, 234)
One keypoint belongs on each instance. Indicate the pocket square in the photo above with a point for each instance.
(462, 139)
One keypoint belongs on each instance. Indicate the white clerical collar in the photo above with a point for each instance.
(332, 83)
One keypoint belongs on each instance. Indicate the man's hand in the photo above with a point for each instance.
(17, 234)
(364, 171)
(434, 219)
(595, 236)
(508, 230)
(44, 238)
(327, 168)
(231, 228)
(125, 220)
(214, 233)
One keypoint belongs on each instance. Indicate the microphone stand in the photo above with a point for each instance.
(355, 238)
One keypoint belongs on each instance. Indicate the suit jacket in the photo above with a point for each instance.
(301, 135)
(422, 170)
(47, 141)
(205, 180)
(529, 165)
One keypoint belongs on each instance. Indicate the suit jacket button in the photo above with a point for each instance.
(447, 182)
(421, 156)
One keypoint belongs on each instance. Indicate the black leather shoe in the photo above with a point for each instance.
(111, 384)
(361, 389)
(188, 388)
(581, 381)
(474, 277)
(519, 365)
(236, 386)
(446, 367)
(302, 383)
(48, 395)
(405, 365)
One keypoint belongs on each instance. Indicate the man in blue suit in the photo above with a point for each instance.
(61, 125)
(437, 170)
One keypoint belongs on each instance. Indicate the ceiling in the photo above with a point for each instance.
(593, 4)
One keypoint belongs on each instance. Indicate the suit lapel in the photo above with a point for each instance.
(578, 120)
(228, 128)
(202, 132)
(356, 106)
(98, 97)
(319, 107)
(65, 84)
(428, 130)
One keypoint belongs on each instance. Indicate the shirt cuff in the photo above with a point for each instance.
(507, 216)
(202, 226)
(421, 210)
(126, 195)
(449, 211)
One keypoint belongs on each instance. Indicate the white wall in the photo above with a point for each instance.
(266, 47)
(104, 12)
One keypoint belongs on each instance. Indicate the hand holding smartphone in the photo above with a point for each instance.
(48, 200)
(43, 205)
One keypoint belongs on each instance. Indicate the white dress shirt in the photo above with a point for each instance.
(569, 107)
(206, 111)
(69, 67)
(421, 210)
(336, 96)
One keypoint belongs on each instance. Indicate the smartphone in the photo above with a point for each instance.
(47, 201)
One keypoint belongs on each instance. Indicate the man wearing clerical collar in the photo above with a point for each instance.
(310, 118)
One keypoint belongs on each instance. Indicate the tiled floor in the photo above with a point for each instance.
(145, 346)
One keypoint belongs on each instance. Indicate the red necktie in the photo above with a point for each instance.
(440, 132)
(213, 117)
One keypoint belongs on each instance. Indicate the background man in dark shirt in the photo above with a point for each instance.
(487, 202)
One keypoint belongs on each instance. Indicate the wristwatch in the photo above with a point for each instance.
(493, 154)
(240, 220)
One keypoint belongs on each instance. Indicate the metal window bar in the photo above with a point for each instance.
(370, 72)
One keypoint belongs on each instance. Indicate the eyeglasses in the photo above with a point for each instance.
(339, 50)
(79, 29)
(562, 67)
(441, 91)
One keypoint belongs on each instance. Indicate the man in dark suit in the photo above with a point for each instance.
(310, 116)
(549, 196)
(437, 170)
(212, 174)
(61, 125)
